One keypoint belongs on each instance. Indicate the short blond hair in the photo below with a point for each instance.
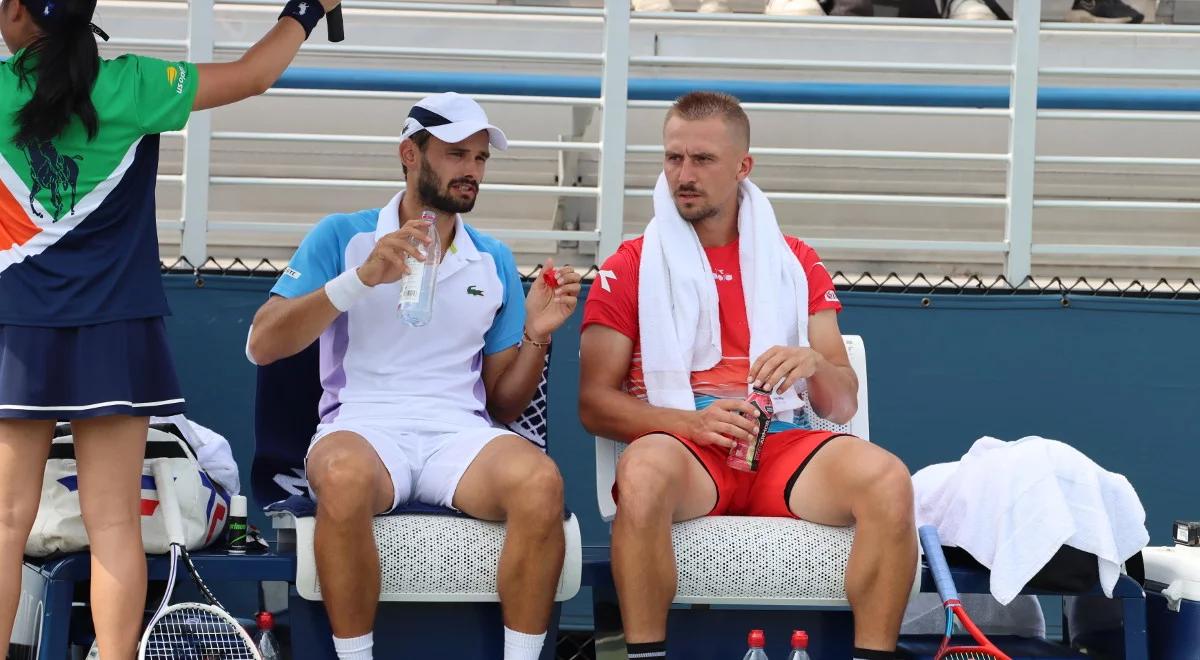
(706, 105)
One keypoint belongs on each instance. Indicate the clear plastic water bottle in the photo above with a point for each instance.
(268, 646)
(799, 645)
(416, 288)
(757, 641)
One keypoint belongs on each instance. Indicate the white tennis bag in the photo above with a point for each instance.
(204, 504)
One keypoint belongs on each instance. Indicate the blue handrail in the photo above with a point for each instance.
(806, 93)
(803, 93)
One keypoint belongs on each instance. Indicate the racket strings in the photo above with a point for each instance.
(192, 633)
(969, 654)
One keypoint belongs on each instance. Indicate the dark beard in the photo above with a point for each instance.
(696, 216)
(429, 187)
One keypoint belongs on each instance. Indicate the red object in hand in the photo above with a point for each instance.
(550, 276)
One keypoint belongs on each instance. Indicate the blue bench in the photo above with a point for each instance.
(61, 575)
(722, 632)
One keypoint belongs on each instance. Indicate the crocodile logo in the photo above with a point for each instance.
(474, 291)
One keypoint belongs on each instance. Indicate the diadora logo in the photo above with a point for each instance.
(605, 277)
(474, 291)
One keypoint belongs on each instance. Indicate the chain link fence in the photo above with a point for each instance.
(580, 645)
(1188, 289)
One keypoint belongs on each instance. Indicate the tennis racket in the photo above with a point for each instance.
(333, 23)
(978, 648)
(189, 631)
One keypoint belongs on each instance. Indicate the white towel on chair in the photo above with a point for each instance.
(678, 314)
(1012, 505)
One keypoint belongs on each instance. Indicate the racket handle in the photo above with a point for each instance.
(164, 483)
(937, 562)
(333, 23)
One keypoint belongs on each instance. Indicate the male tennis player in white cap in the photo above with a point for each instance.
(412, 413)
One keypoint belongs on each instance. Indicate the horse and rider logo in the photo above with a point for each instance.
(53, 171)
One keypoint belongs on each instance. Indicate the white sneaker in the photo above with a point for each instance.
(971, 10)
(794, 8)
(714, 7)
(652, 5)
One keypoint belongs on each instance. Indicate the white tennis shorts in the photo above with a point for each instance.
(425, 464)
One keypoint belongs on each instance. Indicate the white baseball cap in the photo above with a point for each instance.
(451, 117)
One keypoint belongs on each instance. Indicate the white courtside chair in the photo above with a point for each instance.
(432, 558)
(782, 561)
(426, 553)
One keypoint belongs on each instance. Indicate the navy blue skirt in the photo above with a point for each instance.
(119, 368)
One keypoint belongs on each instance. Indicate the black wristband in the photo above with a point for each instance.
(306, 12)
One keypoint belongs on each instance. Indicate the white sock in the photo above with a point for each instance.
(519, 646)
(354, 648)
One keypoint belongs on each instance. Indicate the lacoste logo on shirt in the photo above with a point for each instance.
(474, 291)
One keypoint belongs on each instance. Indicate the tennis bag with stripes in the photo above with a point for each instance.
(204, 504)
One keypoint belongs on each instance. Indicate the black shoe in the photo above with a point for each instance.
(1103, 11)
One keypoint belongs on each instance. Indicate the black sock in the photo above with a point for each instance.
(647, 651)
(867, 654)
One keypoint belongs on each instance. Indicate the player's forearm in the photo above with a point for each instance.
(613, 414)
(833, 391)
(515, 388)
(266, 60)
(284, 327)
(254, 72)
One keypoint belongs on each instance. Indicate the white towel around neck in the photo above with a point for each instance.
(678, 316)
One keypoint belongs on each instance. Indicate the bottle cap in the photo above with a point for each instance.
(265, 621)
(799, 639)
(757, 639)
(237, 506)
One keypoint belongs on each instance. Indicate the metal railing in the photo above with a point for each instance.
(615, 92)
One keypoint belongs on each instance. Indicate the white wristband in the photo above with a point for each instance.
(345, 290)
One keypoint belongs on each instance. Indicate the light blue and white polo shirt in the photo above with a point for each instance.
(373, 365)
